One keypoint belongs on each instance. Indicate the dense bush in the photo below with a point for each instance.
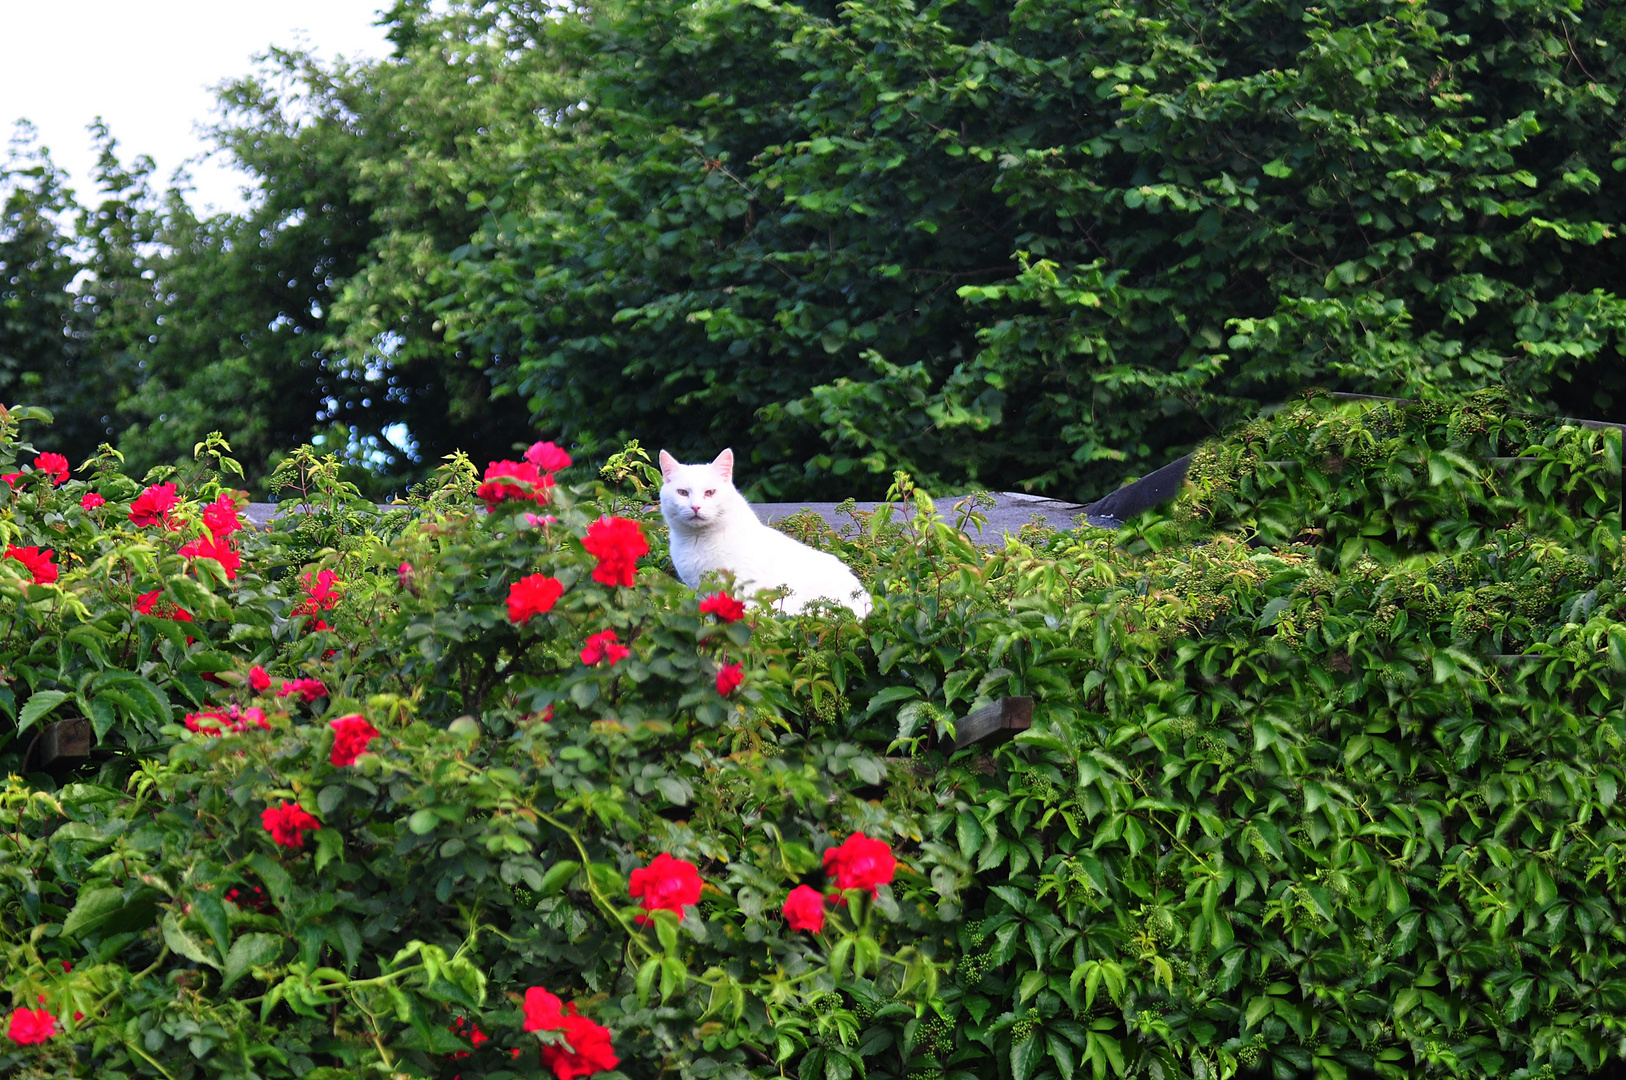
(1322, 781)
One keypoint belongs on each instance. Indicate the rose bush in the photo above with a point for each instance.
(1322, 780)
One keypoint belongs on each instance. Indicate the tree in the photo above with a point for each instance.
(1044, 246)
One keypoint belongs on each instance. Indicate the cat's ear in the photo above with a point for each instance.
(724, 464)
(669, 465)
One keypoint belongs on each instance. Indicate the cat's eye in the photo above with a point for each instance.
(684, 492)
(710, 493)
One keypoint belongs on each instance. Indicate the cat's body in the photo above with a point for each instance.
(714, 528)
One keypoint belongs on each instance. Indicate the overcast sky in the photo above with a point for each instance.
(146, 67)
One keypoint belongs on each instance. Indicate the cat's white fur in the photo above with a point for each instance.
(714, 528)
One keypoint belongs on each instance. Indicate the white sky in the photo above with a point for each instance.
(146, 67)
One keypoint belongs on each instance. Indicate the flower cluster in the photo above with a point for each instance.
(513, 481)
(604, 646)
(307, 689)
(547, 457)
(617, 543)
(288, 824)
(321, 594)
(532, 596)
(232, 721)
(724, 606)
(804, 909)
(351, 734)
(152, 506)
(861, 863)
(586, 1049)
(154, 604)
(221, 551)
(666, 884)
(38, 563)
(30, 1026)
(53, 465)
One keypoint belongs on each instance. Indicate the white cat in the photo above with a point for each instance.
(714, 528)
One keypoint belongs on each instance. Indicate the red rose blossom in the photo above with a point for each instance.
(804, 909)
(219, 550)
(547, 457)
(729, 678)
(588, 1051)
(531, 596)
(513, 480)
(617, 543)
(724, 606)
(233, 721)
(90, 500)
(288, 824)
(153, 505)
(258, 680)
(153, 604)
(861, 863)
(38, 563)
(53, 465)
(603, 646)
(220, 517)
(321, 594)
(30, 1026)
(351, 734)
(11, 478)
(666, 884)
(307, 689)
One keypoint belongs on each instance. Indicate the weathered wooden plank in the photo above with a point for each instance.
(994, 723)
(63, 743)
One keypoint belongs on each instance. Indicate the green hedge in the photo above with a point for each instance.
(1322, 781)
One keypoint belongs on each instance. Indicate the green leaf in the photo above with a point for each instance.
(38, 705)
(184, 943)
(250, 951)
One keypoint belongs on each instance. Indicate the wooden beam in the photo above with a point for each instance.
(994, 723)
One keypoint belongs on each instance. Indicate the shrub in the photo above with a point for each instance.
(1322, 781)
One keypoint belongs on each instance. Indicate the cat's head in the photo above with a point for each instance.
(698, 497)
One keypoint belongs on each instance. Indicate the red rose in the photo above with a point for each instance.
(351, 734)
(587, 1049)
(90, 500)
(542, 1010)
(602, 646)
(861, 863)
(234, 720)
(320, 595)
(547, 457)
(729, 678)
(219, 550)
(30, 1026)
(153, 505)
(804, 909)
(38, 563)
(53, 465)
(152, 604)
(11, 478)
(617, 543)
(258, 679)
(666, 884)
(307, 689)
(288, 824)
(517, 480)
(531, 596)
(724, 606)
(220, 517)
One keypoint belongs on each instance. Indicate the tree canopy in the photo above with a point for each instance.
(1009, 245)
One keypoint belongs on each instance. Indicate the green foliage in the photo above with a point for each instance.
(1036, 246)
(1322, 781)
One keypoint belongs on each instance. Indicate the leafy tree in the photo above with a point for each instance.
(1045, 245)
